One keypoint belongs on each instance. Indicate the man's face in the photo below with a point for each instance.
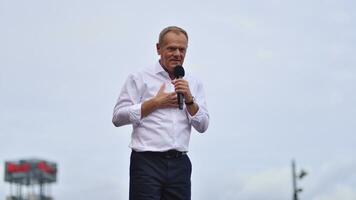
(172, 50)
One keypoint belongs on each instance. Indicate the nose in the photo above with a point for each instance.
(177, 52)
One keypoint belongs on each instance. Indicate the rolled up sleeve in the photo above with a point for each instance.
(128, 107)
(200, 121)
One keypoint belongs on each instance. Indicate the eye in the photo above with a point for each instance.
(171, 49)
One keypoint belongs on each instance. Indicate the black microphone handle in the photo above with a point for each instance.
(180, 100)
(180, 96)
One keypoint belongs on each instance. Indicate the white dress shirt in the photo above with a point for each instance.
(163, 129)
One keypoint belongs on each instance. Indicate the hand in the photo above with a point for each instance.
(166, 100)
(182, 86)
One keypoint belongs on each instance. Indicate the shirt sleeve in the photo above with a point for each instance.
(128, 107)
(200, 121)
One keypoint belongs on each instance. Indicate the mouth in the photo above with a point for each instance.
(177, 62)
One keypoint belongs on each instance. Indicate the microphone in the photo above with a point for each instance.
(179, 73)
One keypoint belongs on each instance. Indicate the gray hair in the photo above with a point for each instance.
(174, 29)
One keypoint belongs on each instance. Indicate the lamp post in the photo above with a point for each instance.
(295, 178)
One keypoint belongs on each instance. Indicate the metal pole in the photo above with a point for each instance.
(41, 189)
(21, 192)
(294, 178)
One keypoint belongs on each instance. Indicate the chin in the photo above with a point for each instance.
(173, 65)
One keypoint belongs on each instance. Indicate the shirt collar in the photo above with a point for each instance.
(158, 68)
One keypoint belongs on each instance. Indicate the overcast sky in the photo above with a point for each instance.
(279, 77)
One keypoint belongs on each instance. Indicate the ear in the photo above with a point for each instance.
(158, 47)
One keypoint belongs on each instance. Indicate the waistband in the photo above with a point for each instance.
(165, 154)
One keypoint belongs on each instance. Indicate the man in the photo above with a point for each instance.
(160, 168)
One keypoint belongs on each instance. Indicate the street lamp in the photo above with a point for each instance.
(295, 177)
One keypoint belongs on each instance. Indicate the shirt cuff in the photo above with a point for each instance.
(135, 114)
(196, 117)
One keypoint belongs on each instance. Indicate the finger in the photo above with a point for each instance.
(173, 105)
(172, 94)
(174, 100)
(181, 86)
(178, 82)
(181, 90)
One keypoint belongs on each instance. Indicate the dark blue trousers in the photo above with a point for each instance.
(157, 177)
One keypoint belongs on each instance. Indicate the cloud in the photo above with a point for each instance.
(341, 192)
(267, 184)
(273, 183)
(333, 180)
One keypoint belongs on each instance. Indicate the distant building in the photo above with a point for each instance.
(30, 174)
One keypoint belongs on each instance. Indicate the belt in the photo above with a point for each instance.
(165, 154)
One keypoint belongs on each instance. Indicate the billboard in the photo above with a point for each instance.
(28, 172)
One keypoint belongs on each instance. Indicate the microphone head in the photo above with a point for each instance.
(178, 71)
